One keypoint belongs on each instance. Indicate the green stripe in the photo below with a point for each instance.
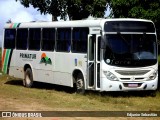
(15, 25)
(18, 25)
(6, 60)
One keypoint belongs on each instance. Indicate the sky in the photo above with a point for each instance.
(10, 9)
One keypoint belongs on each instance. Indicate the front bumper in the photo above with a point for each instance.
(108, 85)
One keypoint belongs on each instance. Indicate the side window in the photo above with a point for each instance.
(9, 38)
(63, 43)
(34, 38)
(48, 39)
(22, 36)
(79, 40)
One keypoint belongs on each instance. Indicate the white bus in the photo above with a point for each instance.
(101, 55)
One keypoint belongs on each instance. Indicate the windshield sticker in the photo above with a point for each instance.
(108, 61)
(45, 59)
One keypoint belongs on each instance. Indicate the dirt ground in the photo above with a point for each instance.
(9, 104)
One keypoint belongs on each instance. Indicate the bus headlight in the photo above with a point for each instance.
(110, 76)
(153, 75)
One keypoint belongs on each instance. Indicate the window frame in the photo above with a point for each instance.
(15, 35)
(29, 39)
(86, 29)
(27, 43)
(57, 39)
(42, 39)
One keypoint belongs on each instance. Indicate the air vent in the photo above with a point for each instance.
(138, 72)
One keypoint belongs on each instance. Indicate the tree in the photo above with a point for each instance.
(75, 9)
(79, 9)
(145, 9)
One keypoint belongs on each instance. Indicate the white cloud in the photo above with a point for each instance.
(23, 16)
(10, 9)
(16, 12)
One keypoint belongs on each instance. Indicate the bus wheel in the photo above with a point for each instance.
(80, 86)
(28, 79)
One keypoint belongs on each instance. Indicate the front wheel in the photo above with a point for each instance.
(28, 78)
(80, 86)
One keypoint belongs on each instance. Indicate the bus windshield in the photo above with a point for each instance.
(136, 50)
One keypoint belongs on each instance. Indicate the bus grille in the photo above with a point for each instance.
(131, 79)
(140, 72)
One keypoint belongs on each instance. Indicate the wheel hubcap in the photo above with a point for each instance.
(79, 84)
(28, 81)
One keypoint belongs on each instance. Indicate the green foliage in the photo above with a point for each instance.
(149, 9)
(44, 6)
(145, 9)
(75, 9)
(80, 9)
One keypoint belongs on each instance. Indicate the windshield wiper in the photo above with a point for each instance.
(118, 33)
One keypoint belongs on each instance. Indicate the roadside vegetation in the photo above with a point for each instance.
(159, 59)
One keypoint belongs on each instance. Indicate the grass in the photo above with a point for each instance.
(158, 59)
(0, 52)
(58, 98)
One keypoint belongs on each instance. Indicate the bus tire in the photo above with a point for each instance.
(28, 78)
(80, 86)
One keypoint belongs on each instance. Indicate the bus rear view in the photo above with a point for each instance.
(129, 56)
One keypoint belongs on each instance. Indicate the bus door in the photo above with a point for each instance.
(93, 62)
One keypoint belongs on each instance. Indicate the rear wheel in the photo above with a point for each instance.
(80, 86)
(28, 78)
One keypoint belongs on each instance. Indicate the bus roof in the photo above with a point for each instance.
(76, 23)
